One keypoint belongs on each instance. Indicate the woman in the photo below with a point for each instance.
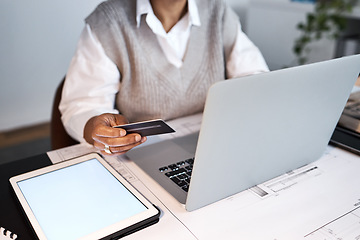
(145, 59)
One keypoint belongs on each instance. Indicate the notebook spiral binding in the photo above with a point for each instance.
(6, 234)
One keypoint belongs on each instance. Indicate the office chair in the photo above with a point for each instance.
(58, 136)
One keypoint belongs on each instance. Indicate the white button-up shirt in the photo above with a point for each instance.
(91, 70)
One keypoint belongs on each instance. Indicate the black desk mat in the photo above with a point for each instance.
(11, 215)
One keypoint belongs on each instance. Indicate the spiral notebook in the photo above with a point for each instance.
(6, 234)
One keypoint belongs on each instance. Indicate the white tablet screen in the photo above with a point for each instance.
(77, 200)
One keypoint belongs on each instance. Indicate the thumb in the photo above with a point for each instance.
(118, 119)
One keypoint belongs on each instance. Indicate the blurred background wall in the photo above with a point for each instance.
(37, 41)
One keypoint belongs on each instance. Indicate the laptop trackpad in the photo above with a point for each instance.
(188, 142)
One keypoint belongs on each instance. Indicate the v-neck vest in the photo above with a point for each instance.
(150, 86)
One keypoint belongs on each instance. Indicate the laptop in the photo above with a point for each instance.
(253, 129)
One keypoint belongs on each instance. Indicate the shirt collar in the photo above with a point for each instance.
(144, 7)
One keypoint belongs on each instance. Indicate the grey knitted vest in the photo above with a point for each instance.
(151, 87)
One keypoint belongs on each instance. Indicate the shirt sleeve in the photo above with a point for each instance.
(245, 58)
(91, 84)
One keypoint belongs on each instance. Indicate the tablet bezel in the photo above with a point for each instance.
(141, 220)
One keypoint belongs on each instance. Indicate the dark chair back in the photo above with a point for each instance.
(58, 135)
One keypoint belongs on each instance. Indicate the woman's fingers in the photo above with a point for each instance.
(108, 132)
(100, 132)
(118, 145)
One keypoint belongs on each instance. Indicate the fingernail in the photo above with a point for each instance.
(137, 138)
(122, 132)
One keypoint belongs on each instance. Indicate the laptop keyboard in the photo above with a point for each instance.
(179, 173)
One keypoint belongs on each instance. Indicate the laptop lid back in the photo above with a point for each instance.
(258, 127)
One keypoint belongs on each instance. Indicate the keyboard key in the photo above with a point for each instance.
(175, 173)
(170, 174)
(179, 182)
(182, 176)
(175, 180)
(179, 164)
(186, 188)
(182, 184)
(173, 167)
(163, 169)
(190, 161)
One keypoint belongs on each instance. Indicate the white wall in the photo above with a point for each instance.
(272, 26)
(240, 7)
(37, 41)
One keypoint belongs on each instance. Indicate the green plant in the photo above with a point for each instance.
(327, 20)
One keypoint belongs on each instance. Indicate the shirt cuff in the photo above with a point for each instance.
(76, 124)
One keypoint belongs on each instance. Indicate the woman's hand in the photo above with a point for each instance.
(99, 132)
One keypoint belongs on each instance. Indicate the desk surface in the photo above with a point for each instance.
(318, 201)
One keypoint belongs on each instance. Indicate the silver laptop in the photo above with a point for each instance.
(253, 129)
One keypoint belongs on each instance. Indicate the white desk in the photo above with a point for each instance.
(318, 201)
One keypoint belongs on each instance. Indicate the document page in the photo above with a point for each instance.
(319, 201)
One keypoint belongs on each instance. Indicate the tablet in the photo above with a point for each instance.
(82, 198)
